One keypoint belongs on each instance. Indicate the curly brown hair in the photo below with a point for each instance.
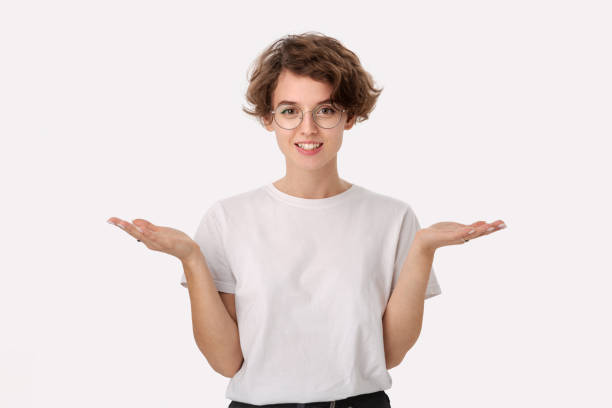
(320, 57)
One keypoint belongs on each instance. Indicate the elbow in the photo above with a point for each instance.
(230, 363)
(390, 364)
(230, 370)
(393, 361)
(223, 362)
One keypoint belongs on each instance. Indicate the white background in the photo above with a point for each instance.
(490, 110)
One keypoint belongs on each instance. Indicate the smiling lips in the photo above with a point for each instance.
(308, 148)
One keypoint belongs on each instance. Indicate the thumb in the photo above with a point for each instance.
(144, 223)
(466, 230)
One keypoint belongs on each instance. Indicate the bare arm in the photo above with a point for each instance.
(214, 329)
(403, 315)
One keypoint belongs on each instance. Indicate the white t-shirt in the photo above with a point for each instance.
(311, 279)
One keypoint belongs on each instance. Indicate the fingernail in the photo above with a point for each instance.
(500, 226)
(490, 229)
(138, 228)
(471, 231)
(120, 226)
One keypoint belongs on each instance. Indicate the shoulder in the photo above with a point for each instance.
(239, 205)
(387, 203)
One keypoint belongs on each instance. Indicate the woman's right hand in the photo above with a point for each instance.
(157, 238)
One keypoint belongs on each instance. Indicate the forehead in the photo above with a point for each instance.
(301, 89)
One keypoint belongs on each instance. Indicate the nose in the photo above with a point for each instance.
(308, 125)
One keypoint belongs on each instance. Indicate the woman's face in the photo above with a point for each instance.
(307, 93)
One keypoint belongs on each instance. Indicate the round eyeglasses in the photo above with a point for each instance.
(289, 116)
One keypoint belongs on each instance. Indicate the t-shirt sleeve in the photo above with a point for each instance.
(209, 237)
(410, 225)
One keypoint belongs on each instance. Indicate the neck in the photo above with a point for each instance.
(312, 187)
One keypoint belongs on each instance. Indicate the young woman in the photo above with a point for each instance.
(306, 290)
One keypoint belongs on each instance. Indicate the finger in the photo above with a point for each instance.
(142, 223)
(116, 222)
(494, 226)
(462, 235)
(131, 229)
(135, 231)
(113, 220)
(477, 231)
(486, 229)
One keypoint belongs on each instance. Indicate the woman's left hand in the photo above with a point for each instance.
(453, 233)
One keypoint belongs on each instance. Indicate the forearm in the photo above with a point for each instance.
(216, 333)
(403, 315)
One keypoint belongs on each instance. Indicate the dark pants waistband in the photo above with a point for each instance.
(378, 399)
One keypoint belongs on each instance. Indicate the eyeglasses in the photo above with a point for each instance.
(289, 116)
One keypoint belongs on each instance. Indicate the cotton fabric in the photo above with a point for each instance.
(311, 279)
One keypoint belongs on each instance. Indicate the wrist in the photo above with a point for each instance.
(419, 245)
(193, 257)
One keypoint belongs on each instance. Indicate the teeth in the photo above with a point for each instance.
(309, 146)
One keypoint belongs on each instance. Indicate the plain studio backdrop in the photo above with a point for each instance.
(490, 110)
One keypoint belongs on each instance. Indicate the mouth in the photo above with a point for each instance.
(308, 148)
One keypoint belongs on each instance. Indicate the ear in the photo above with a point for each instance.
(349, 123)
(267, 122)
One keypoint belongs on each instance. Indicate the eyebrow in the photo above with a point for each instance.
(295, 103)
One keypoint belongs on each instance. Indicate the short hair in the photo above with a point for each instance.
(320, 57)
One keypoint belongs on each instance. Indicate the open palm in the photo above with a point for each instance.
(158, 238)
(453, 233)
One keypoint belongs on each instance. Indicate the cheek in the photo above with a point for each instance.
(284, 142)
(335, 141)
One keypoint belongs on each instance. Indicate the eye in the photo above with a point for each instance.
(326, 110)
(288, 110)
